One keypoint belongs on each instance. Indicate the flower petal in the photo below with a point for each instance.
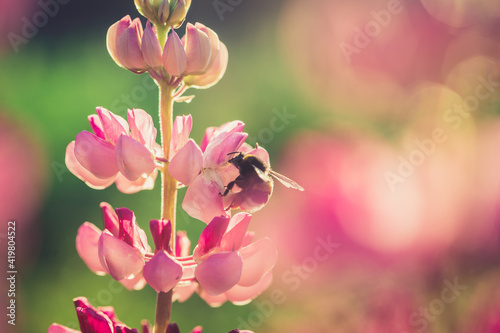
(87, 240)
(217, 151)
(214, 42)
(198, 50)
(236, 230)
(211, 236)
(136, 283)
(180, 133)
(120, 259)
(174, 56)
(110, 219)
(151, 48)
(203, 201)
(187, 163)
(161, 230)
(259, 259)
(95, 155)
(213, 301)
(96, 125)
(134, 160)
(240, 295)
(82, 173)
(112, 125)
(209, 132)
(129, 47)
(162, 272)
(126, 186)
(142, 127)
(92, 320)
(213, 75)
(114, 32)
(219, 272)
(183, 292)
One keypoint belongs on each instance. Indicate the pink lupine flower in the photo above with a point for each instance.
(92, 320)
(116, 152)
(124, 41)
(206, 171)
(120, 250)
(230, 267)
(162, 272)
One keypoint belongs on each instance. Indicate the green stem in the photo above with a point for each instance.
(168, 198)
(162, 32)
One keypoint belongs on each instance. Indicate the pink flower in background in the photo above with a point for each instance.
(116, 152)
(119, 250)
(230, 267)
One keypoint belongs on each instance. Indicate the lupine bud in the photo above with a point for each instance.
(124, 44)
(213, 75)
(178, 13)
(214, 43)
(148, 8)
(129, 47)
(151, 48)
(198, 50)
(114, 33)
(163, 12)
(174, 56)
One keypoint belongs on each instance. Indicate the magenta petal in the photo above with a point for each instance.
(180, 133)
(82, 173)
(92, 320)
(219, 272)
(162, 272)
(161, 230)
(197, 329)
(259, 259)
(261, 153)
(56, 328)
(174, 57)
(235, 126)
(182, 244)
(203, 201)
(110, 218)
(87, 240)
(114, 33)
(217, 151)
(187, 163)
(96, 125)
(134, 160)
(240, 295)
(120, 259)
(95, 155)
(112, 125)
(233, 238)
(142, 127)
(211, 236)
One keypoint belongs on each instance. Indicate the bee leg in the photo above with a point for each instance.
(228, 188)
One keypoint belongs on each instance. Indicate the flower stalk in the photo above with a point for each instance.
(168, 196)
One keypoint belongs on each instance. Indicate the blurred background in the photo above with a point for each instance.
(387, 112)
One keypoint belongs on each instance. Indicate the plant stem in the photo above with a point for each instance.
(168, 198)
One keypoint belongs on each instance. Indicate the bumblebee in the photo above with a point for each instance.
(254, 172)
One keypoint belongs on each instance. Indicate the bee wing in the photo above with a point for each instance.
(286, 181)
(262, 175)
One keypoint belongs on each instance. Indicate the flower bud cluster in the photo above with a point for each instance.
(199, 59)
(170, 13)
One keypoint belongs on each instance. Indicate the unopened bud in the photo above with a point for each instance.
(213, 75)
(174, 56)
(198, 50)
(151, 48)
(148, 8)
(178, 13)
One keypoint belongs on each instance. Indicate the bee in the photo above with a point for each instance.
(254, 172)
